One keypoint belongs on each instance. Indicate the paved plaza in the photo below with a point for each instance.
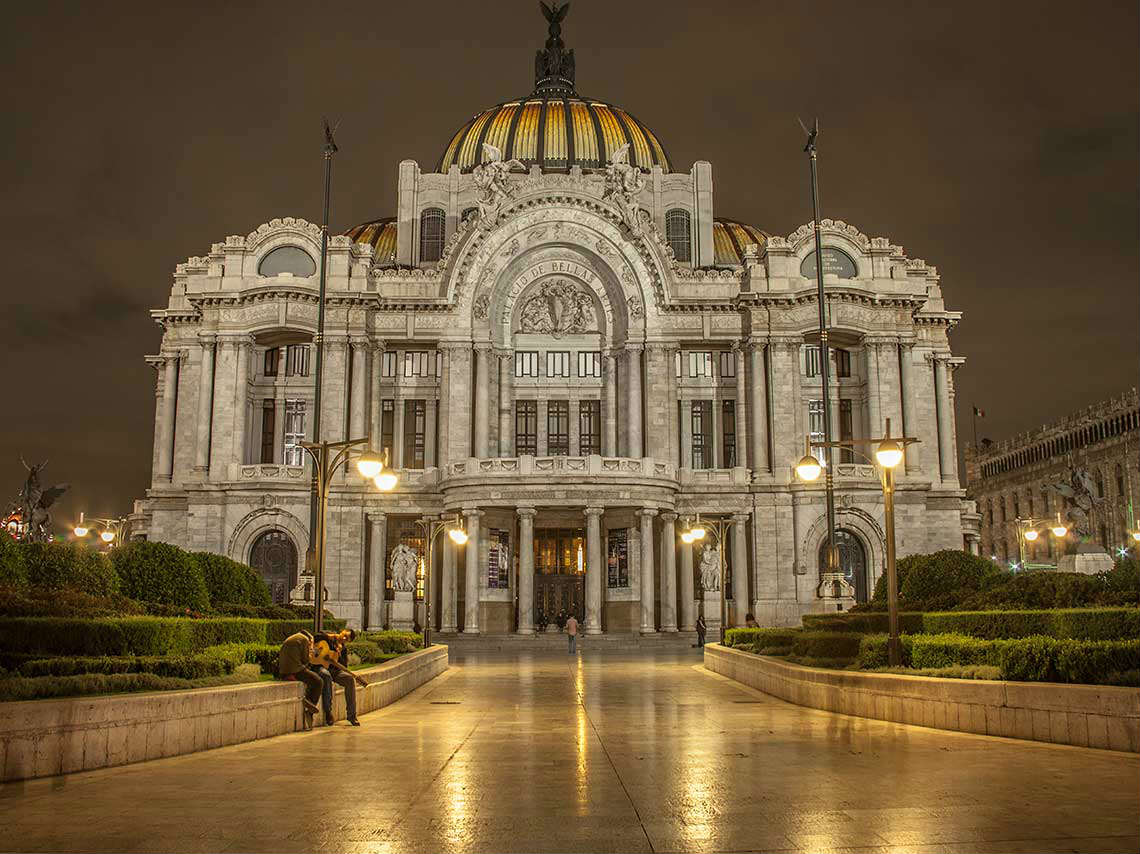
(604, 752)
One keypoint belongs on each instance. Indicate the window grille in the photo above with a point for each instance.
(294, 432)
(499, 559)
(297, 360)
(526, 427)
(590, 363)
(617, 558)
(589, 427)
(815, 421)
(526, 363)
(431, 235)
(700, 415)
(558, 428)
(415, 424)
(678, 232)
(728, 429)
(558, 364)
(388, 429)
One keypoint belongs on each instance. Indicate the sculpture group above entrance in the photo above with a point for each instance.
(558, 308)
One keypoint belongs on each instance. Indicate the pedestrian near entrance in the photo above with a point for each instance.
(701, 629)
(572, 634)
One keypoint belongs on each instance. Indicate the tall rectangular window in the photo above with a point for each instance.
(415, 419)
(388, 363)
(700, 415)
(418, 363)
(701, 364)
(846, 429)
(727, 363)
(617, 558)
(728, 430)
(589, 363)
(558, 428)
(842, 362)
(297, 360)
(558, 364)
(526, 363)
(272, 357)
(294, 432)
(499, 559)
(678, 232)
(526, 427)
(589, 427)
(815, 425)
(811, 361)
(388, 429)
(268, 429)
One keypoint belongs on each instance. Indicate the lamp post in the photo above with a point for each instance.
(889, 451)
(112, 529)
(327, 457)
(432, 528)
(718, 527)
(1028, 532)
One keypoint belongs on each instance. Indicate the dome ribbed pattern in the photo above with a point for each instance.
(731, 237)
(380, 234)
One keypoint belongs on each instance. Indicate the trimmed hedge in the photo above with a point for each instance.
(178, 666)
(160, 572)
(13, 569)
(34, 602)
(56, 566)
(1049, 589)
(42, 687)
(1082, 624)
(392, 641)
(864, 622)
(231, 582)
(828, 645)
(873, 651)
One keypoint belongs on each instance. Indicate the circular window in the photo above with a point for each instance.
(287, 259)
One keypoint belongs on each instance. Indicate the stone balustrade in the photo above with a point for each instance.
(592, 465)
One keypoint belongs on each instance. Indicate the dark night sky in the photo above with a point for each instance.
(996, 140)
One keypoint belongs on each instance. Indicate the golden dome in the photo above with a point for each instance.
(730, 238)
(380, 234)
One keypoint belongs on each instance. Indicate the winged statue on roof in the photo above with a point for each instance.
(1080, 497)
(491, 186)
(624, 183)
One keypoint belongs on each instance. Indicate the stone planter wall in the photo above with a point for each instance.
(1084, 715)
(40, 738)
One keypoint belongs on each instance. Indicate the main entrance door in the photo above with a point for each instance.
(559, 574)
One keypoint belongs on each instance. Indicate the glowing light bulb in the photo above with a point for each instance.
(385, 481)
(107, 536)
(370, 465)
(1059, 530)
(889, 454)
(686, 537)
(81, 531)
(1136, 536)
(458, 536)
(698, 533)
(808, 468)
(1031, 535)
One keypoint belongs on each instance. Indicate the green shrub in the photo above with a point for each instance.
(392, 642)
(946, 650)
(1048, 589)
(745, 638)
(945, 575)
(367, 651)
(1083, 624)
(36, 602)
(41, 687)
(160, 572)
(873, 652)
(864, 622)
(13, 569)
(56, 566)
(259, 612)
(231, 582)
(178, 666)
(826, 645)
(1124, 579)
(1106, 661)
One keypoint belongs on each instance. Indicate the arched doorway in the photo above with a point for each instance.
(274, 557)
(852, 561)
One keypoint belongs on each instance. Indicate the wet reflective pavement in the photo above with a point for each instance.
(603, 752)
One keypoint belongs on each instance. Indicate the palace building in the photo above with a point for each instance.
(560, 338)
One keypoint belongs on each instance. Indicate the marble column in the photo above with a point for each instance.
(443, 452)
(205, 403)
(595, 570)
(648, 585)
(397, 426)
(686, 417)
(222, 412)
(377, 358)
(740, 598)
(633, 411)
(526, 570)
(506, 403)
(241, 398)
(430, 406)
(741, 407)
(447, 586)
(688, 600)
(946, 462)
(358, 407)
(169, 401)
(909, 426)
(673, 415)
(758, 410)
(377, 569)
(668, 572)
(474, 570)
(610, 415)
(482, 400)
(874, 405)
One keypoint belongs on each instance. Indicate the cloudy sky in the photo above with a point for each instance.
(998, 141)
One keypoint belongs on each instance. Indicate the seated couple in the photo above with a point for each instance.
(319, 661)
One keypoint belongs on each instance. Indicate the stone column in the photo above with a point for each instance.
(377, 357)
(397, 426)
(446, 410)
(668, 572)
(758, 414)
(610, 416)
(595, 570)
(741, 407)
(874, 405)
(633, 411)
(946, 462)
(740, 598)
(222, 414)
(688, 600)
(909, 426)
(482, 400)
(358, 424)
(447, 587)
(686, 407)
(241, 404)
(716, 433)
(506, 403)
(674, 419)
(526, 570)
(169, 400)
(430, 421)
(205, 403)
(471, 605)
(377, 569)
(648, 586)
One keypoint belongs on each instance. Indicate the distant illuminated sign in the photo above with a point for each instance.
(836, 262)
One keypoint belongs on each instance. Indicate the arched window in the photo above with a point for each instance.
(287, 259)
(274, 557)
(852, 561)
(678, 232)
(431, 235)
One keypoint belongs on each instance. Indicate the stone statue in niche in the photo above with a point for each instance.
(559, 308)
(403, 566)
(710, 568)
(624, 183)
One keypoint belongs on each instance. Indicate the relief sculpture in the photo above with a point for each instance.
(559, 308)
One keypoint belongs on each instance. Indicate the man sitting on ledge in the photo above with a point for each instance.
(328, 660)
(293, 663)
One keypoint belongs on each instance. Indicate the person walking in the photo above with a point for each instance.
(701, 630)
(293, 664)
(572, 634)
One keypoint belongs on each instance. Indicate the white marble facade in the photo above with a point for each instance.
(433, 360)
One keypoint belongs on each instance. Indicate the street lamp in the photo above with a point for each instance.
(431, 528)
(719, 529)
(889, 452)
(109, 529)
(1028, 531)
(327, 458)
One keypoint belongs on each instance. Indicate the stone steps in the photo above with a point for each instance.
(556, 641)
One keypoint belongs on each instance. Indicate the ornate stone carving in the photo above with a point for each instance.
(559, 308)
(624, 184)
(491, 179)
(710, 568)
(402, 568)
(511, 250)
(482, 306)
(636, 307)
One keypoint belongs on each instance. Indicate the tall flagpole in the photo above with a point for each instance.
(314, 498)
